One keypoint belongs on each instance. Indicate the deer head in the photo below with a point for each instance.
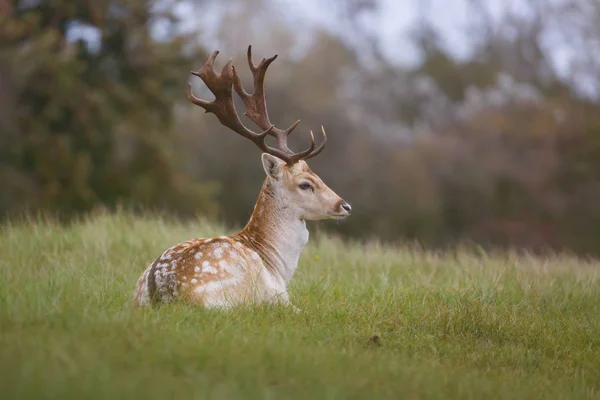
(289, 179)
(302, 190)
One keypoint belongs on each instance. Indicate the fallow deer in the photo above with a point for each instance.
(257, 263)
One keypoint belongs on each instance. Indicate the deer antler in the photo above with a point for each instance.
(256, 107)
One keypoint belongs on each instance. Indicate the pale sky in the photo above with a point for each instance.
(396, 17)
(390, 25)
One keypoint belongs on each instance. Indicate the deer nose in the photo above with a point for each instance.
(346, 207)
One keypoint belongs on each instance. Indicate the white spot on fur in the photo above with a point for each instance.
(194, 280)
(232, 269)
(255, 256)
(218, 285)
(198, 255)
(218, 252)
(210, 270)
(207, 268)
(197, 269)
(226, 245)
(209, 287)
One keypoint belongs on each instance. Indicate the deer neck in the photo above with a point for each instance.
(276, 233)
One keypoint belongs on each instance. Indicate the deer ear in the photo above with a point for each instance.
(273, 166)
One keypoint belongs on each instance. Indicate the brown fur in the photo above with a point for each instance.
(237, 268)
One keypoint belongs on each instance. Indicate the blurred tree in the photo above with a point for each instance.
(87, 97)
(450, 150)
(500, 146)
(514, 41)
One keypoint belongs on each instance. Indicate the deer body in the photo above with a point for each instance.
(217, 272)
(257, 263)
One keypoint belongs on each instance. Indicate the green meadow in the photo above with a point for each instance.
(378, 322)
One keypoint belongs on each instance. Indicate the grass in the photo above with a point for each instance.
(380, 322)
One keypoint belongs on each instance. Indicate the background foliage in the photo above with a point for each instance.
(499, 146)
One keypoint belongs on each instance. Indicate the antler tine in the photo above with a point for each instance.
(209, 64)
(299, 156)
(223, 107)
(321, 146)
(309, 153)
(291, 128)
(206, 72)
(264, 64)
(197, 101)
(256, 104)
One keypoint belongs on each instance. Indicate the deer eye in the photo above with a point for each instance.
(305, 186)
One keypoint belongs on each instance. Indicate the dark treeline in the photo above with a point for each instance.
(499, 147)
